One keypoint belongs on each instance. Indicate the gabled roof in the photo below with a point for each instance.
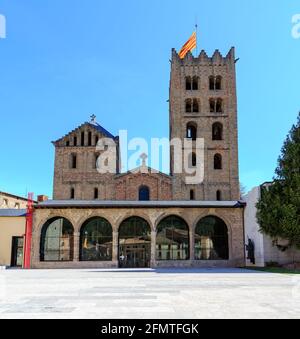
(143, 170)
(9, 195)
(93, 125)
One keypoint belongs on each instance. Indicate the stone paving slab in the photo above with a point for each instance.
(148, 294)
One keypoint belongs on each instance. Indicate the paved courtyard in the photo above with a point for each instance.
(148, 294)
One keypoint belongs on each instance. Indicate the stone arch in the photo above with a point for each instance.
(56, 240)
(173, 239)
(226, 224)
(96, 240)
(137, 214)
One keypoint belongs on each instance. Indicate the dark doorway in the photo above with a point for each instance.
(134, 243)
(17, 252)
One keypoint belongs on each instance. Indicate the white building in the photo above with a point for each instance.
(266, 251)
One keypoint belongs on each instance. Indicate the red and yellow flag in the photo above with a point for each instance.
(190, 45)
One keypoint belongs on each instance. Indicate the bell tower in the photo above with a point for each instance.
(203, 104)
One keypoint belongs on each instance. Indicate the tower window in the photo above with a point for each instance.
(217, 131)
(192, 195)
(68, 143)
(195, 106)
(195, 84)
(75, 141)
(72, 194)
(192, 106)
(73, 161)
(96, 193)
(96, 140)
(188, 83)
(218, 162)
(188, 106)
(216, 105)
(82, 139)
(90, 139)
(218, 85)
(219, 195)
(215, 83)
(212, 83)
(191, 131)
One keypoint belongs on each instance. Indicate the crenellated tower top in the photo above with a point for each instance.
(216, 59)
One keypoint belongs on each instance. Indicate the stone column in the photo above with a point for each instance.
(192, 245)
(76, 246)
(115, 248)
(153, 249)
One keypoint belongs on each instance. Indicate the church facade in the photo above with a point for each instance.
(144, 218)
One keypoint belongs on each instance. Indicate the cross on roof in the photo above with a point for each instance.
(93, 118)
(144, 157)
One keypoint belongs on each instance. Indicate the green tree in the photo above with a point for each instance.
(279, 207)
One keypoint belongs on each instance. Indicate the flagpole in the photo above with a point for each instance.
(196, 26)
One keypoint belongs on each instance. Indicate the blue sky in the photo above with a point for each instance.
(63, 60)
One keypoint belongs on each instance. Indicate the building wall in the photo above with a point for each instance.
(9, 227)
(227, 179)
(127, 186)
(85, 177)
(265, 251)
(8, 201)
(233, 217)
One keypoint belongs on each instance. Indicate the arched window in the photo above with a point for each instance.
(219, 195)
(72, 193)
(144, 193)
(96, 240)
(212, 83)
(96, 193)
(191, 131)
(96, 140)
(90, 139)
(75, 141)
(192, 195)
(188, 106)
(218, 162)
(217, 131)
(73, 161)
(212, 105)
(219, 106)
(195, 84)
(215, 83)
(57, 240)
(216, 105)
(188, 83)
(218, 83)
(134, 243)
(211, 239)
(196, 108)
(172, 240)
(68, 143)
(82, 138)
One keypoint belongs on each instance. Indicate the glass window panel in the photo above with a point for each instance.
(57, 240)
(172, 242)
(96, 240)
(211, 239)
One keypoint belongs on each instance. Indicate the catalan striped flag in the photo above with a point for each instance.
(190, 45)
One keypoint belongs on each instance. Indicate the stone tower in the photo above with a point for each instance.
(203, 104)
